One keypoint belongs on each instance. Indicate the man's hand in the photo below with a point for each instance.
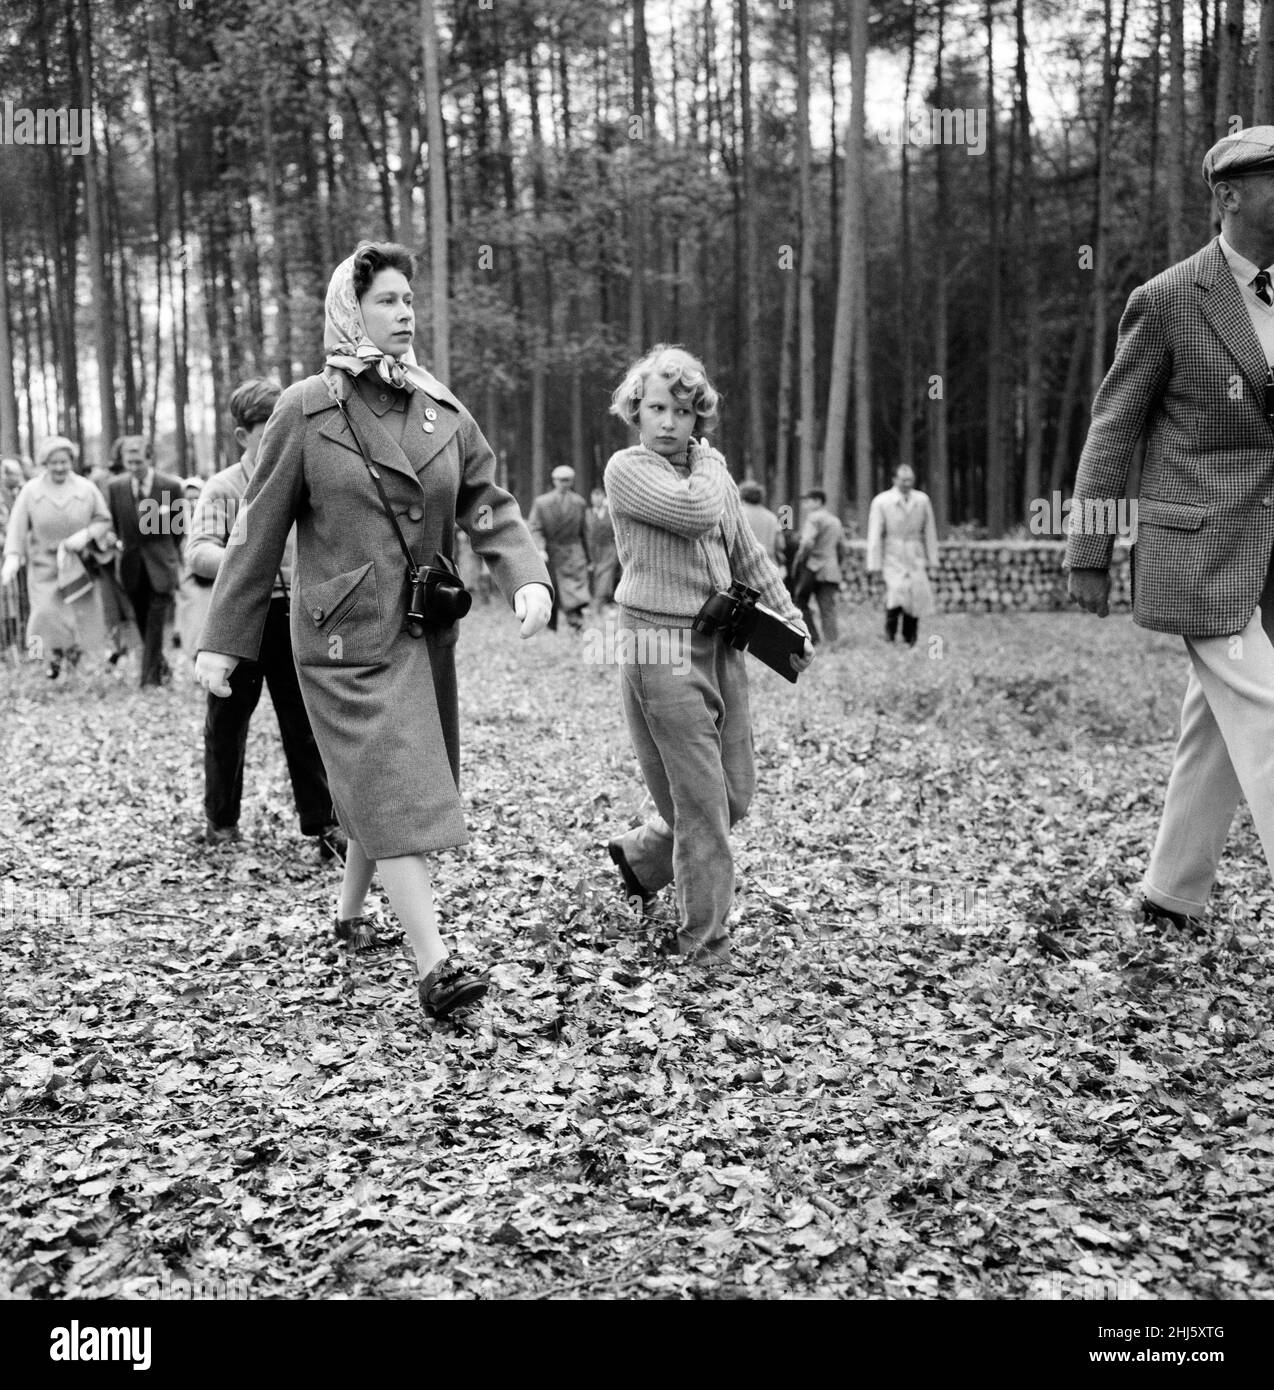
(212, 671)
(801, 663)
(1091, 590)
(533, 604)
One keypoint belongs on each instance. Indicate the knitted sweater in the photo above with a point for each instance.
(680, 538)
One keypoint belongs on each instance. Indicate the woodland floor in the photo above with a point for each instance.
(950, 1063)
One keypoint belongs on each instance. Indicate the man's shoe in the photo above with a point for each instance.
(363, 934)
(332, 843)
(449, 987)
(1154, 918)
(632, 887)
(220, 834)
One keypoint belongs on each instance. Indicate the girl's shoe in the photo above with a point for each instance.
(449, 987)
(363, 934)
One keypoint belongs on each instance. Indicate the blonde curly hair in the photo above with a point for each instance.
(686, 378)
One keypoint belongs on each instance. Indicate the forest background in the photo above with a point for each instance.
(897, 232)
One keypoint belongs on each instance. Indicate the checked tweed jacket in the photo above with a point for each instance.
(1189, 373)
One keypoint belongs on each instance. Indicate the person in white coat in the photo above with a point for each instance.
(902, 541)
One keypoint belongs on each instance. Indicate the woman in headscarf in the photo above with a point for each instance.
(375, 434)
(55, 515)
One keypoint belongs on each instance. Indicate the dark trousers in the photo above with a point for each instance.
(808, 587)
(910, 625)
(225, 732)
(151, 608)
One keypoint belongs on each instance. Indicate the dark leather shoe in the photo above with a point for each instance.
(449, 987)
(220, 834)
(332, 843)
(366, 934)
(632, 887)
(1154, 918)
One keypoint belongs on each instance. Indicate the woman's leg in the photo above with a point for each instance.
(409, 885)
(357, 880)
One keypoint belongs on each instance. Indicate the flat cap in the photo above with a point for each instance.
(1249, 151)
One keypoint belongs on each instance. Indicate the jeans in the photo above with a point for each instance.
(225, 733)
(692, 733)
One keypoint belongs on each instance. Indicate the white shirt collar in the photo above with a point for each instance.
(1243, 270)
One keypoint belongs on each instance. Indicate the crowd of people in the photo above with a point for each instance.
(331, 563)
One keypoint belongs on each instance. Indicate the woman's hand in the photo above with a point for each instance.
(801, 663)
(212, 671)
(9, 572)
(533, 604)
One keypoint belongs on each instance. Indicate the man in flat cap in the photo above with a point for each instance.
(558, 524)
(1191, 371)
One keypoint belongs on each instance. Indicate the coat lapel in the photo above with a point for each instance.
(381, 447)
(1224, 309)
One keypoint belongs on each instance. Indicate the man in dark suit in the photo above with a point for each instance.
(557, 522)
(147, 513)
(1190, 372)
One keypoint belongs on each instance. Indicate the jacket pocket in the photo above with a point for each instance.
(1176, 516)
(339, 622)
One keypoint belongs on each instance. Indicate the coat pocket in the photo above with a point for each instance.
(1175, 516)
(339, 620)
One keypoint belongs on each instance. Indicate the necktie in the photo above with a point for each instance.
(1262, 287)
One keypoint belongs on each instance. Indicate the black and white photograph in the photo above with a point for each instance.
(636, 667)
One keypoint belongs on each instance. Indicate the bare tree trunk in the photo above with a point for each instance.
(8, 397)
(1263, 91)
(850, 311)
(1178, 226)
(1105, 116)
(1033, 423)
(996, 476)
(907, 273)
(103, 310)
(754, 445)
(939, 464)
(1229, 69)
(807, 422)
(281, 358)
(437, 196)
(776, 478)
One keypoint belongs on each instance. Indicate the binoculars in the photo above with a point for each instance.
(438, 597)
(733, 614)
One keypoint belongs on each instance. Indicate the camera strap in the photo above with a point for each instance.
(412, 566)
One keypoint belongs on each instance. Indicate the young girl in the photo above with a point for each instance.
(681, 536)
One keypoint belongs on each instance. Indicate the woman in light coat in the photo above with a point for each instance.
(382, 703)
(54, 516)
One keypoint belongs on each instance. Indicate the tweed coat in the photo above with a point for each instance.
(1189, 373)
(382, 704)
(902, 539)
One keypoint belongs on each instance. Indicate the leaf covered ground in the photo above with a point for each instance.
(949, 1064)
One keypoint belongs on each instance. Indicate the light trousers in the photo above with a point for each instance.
(691, 729)
(1225, 753)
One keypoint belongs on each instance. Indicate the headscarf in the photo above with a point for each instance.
(51, 445)
(347, 345)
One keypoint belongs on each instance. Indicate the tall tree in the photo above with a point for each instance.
(997, 473)
(436, 202)
(754, 388)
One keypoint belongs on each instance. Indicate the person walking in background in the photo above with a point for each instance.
(817, 565)
(599, 533)
(225, 729)
(902, 541)
(1194, 355)
(145, 506)
(766, 527)
(556, 522)
(681, 538)
(55, 516)
(374, 455)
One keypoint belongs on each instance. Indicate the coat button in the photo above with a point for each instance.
(416, 512)
(429, 429)
(384, 395)
(317, 615)
(430, 413)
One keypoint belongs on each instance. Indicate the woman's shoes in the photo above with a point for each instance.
(449, 987)
(363, 934)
